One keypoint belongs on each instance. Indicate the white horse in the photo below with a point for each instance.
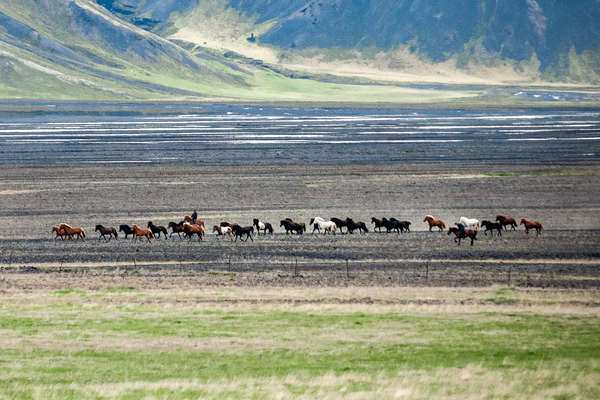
(470, 223)
(319, 223)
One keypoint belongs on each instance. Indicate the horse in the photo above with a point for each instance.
(71, 231)
(390, 225)
(156, 230)
(351, 226)
(225, 223)
(262, 226)
(378, 224)
(490, 226)
(532, 225)
(403, 225)
(462, 234)
(291, 226)
(507, 221)
(139, 232)
(222, 231)
(176, 228)
(340, 224)
(196, 229)
(470, 223)
(60, 233)
(190, 221)
(126, 229)
(434, 222)
(319, 223)
(110, 231)
(239, 231)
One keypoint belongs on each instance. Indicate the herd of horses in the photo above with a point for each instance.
(466, 228)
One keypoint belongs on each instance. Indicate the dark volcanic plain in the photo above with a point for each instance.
(563, 197)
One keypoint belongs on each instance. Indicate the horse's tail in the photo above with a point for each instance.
(116, 234)
(82, 232)
(443, 225)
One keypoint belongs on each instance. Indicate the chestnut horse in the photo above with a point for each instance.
(434, 222)
(191, 230)
(71, 231)
(139, 232)
(60, 233)
(462, 234)
(504, 221)
(532, 225)
(188, 219)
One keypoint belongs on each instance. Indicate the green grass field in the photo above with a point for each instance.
(121, 342)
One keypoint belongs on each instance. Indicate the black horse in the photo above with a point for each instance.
(239, 231)
(266, 226)
(291, 226)
(156, 230)
(490, 226)
(224, 224)
(126, 229)
(106, 230)
(340, 223)
(403, 225)
(378, 224)
(351, 226)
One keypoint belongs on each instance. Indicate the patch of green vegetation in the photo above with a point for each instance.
(120, 288)
(222, 273)
(504, 296)
(75, 292)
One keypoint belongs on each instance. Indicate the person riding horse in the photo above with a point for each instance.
(463, 232)
(194, 217)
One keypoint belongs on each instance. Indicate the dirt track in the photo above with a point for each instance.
(563, 197)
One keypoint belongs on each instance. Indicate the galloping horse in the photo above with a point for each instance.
(126, 229)
(352, 226)
(291, 226)
(71, 231)
(404, 225)
(222, 231)
(532, 225)
(434, 222)
(463, 234)
(507, 221)
(196, 229)
(239, 231)
(378, 224)
(340, 224)
(319, 223)
(60, 233)
(262, 226)
(490, 226)
(139, 232)
(470, 223)
(189, 220)
(108, 230)
(176, 228)
(156, 230)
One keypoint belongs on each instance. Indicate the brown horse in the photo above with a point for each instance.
(71, 231)
(191, 230)
(469, 233)
(222, 231)
(139, 232)
(188, 219)
(60, 233)
(532, 225)
(504, 221)
(434, 222)
(106, 230)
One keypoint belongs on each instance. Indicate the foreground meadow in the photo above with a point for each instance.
(207, 342)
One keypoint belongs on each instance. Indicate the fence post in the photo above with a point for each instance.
(509, 271)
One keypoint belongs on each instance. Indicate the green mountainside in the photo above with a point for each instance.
(325, 51)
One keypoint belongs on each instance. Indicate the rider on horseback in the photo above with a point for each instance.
(194, 217)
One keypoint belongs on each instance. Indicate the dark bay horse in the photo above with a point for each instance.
(106, 230)
(504, 221)
(378, 224)
(351, 226)
(176, 228)
(291, 226)
(340, 223)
